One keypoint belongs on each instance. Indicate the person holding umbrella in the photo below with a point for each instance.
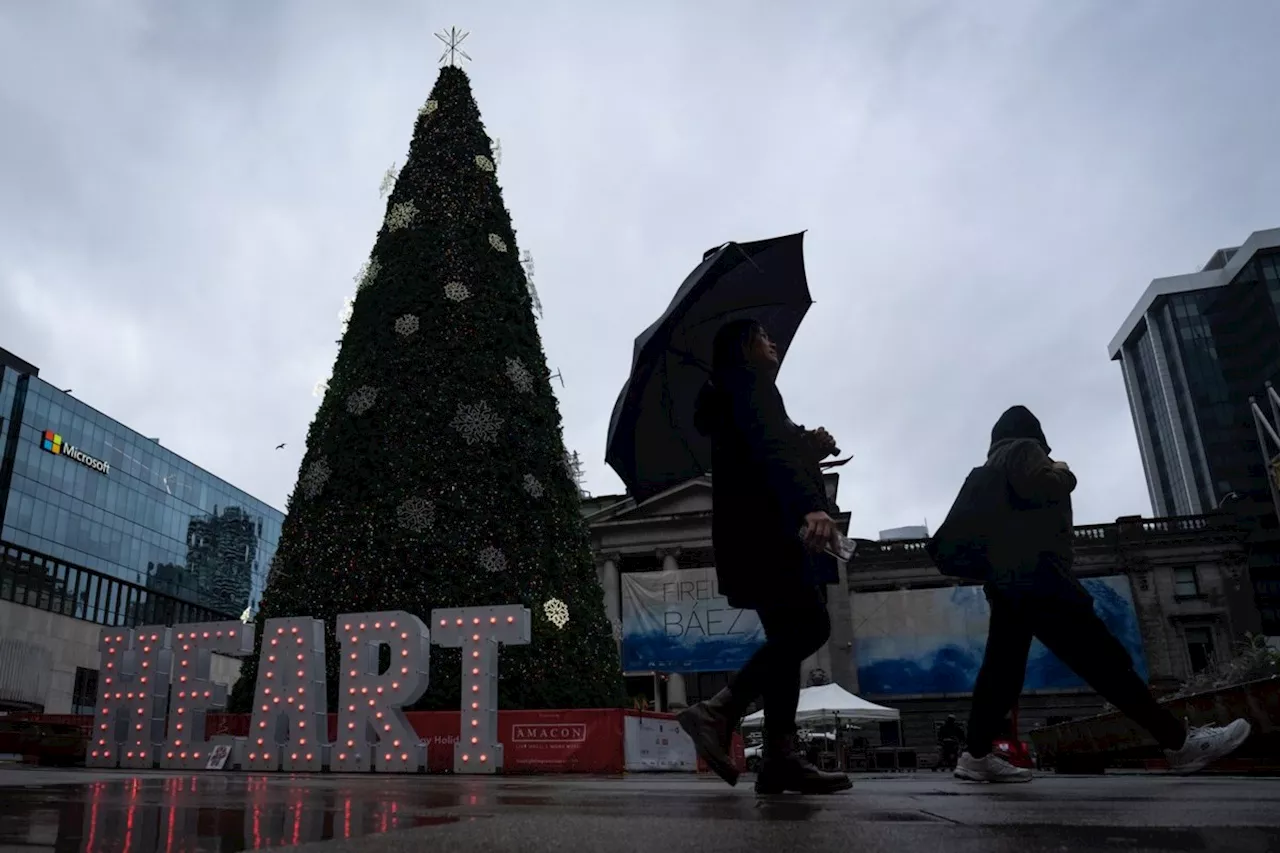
(767, 485)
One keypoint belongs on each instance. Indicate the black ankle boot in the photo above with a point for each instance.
(785, 768)
(710, 726)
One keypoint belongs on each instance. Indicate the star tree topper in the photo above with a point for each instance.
(452, 41)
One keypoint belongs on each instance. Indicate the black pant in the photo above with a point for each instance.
(1068, 627)
(792, 631)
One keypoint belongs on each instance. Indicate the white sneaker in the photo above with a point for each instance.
(992, 767)
(1206, 745)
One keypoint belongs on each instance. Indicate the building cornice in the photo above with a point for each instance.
(1258, 241)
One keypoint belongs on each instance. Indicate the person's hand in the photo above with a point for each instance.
(819, 531)
(1061, 466)
(823, 442)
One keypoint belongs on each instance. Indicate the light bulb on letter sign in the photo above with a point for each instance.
(128, 721)
(290, 694)
(194, 694)
(373, 731)
(478, 631)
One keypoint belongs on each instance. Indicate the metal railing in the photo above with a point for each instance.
(1086, 536)
(46, 583)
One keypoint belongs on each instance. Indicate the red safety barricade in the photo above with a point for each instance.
(555, 741)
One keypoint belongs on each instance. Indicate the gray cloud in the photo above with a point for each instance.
(190, 187)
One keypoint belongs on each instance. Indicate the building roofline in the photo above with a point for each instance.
(1258, 240)
(163, 447)
(21, 365)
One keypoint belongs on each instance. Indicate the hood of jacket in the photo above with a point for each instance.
(1017, 424)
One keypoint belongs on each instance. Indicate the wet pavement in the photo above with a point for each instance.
(67, 811)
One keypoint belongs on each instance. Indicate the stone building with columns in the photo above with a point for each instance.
(670, 531)
(1187, 578)
(1185, 581)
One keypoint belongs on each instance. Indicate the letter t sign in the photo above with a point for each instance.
(478, 631)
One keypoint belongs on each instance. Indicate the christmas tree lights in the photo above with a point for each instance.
(434, 476)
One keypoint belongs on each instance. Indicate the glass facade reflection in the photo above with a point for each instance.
(1191, 367)
(83, 488)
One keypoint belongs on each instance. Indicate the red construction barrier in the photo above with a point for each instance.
(569, 741)
(80, 721)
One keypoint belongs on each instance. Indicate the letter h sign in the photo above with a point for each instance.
(478, 631)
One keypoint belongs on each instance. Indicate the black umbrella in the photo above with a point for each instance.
(653, 444)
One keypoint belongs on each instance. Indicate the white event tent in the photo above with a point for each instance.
(831, 703)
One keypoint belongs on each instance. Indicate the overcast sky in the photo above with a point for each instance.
(187, 189)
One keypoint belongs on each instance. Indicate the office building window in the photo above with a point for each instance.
(84, 696)
(1185, 582)
(1200, 649)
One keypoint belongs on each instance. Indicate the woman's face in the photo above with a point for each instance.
(761, 351)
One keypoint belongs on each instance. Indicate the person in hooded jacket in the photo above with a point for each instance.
(766, 486)
(1035, 593)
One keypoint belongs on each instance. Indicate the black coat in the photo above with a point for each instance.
(1042, 557)
(765, 478)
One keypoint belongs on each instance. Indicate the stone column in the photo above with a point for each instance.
(842, 663)
(611, 584)
(677, 696)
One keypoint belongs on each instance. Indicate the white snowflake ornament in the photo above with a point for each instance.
(428, 108)
(456, 291)
(348, 309)
(362, 399)
(492, 560)
(557, 612)
(519, 375)
(401, 215)
(368, 273)
(497, 242)
(314, 479)
(320, 389)
(484, 163)
(416, 514)
(532, 486)
(406, 325)
(478, 423)
(388, 181)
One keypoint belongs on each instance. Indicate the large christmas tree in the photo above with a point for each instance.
(435, 473)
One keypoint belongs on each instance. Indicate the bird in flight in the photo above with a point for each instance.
(280, 446)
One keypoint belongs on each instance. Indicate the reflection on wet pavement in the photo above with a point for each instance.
(198, 814)
(155, 812)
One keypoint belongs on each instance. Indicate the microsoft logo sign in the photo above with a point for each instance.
(54, 444)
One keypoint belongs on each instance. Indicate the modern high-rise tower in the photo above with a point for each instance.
(1193, 351)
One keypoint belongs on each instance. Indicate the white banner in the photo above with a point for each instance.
(656, 744)
(677, 621)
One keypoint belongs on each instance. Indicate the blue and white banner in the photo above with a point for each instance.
(677, 621)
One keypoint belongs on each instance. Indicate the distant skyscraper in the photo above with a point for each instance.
(1192, 352)
(221, 551)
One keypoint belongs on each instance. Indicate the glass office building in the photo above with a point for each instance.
(85, 490)
(1192, 352)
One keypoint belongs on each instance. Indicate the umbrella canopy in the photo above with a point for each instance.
(653, 444)
(829, 703)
